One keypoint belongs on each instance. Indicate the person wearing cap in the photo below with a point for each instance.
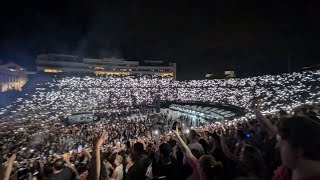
(166, 166)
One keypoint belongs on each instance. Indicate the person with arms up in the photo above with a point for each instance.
(206, 168)
(60, 171)
(9, 167)
(98, 169)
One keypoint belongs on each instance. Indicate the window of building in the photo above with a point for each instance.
(52, 70)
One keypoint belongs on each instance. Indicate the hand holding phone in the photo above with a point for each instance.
(65, 156)
(255, 105)
(149, 172)
(174, 126)
(79, 148)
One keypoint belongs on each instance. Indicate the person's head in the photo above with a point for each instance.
(172, 143)
(58, 164)
(165, 152)
(203, 144)
(282, 114)
(118, 160)
(81, 167)
(48, 169)
(209, 168)
(192, 135)
(196, 153)
(130, 159)
(214, 139)
(300, 111)
(138, 148)
(298, 140)
(252, 158)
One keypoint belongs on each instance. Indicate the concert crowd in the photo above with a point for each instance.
(278, 138)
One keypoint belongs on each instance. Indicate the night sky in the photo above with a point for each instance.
(252, 37)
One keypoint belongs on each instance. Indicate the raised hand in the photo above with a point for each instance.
(221, 135)
(12, 158)
(176, 131)
(104, 136)
(255, 106)
(66, 157)
(86, 150)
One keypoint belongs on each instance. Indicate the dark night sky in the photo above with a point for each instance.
(251, 36)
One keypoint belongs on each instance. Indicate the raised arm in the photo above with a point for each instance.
(9, 167)
(72, 167)
(97, 156)
(249, 125)
(226, 149)
(86, 152)
(263, 121)
(184, 147)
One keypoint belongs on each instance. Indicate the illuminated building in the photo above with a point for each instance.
(229, 74)
(12, 77)
(214, 76)
(58, 63)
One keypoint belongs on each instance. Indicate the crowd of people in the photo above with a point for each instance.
(277, 139)
(74, 93)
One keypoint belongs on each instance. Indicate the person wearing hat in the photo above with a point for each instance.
(166, 166)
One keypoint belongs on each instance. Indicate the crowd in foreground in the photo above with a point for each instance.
(137, 143)
(281, 146)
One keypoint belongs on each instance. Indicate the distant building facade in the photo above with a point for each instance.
(58, 63)
(12, 77)
(311, 67)
(229, 74)
(221, 75)
(214, 76)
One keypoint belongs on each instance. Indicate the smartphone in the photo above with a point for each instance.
(79, 148)
(65, 155)
(149, 170)
(174, 126)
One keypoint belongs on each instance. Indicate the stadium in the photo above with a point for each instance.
(159, 90)
(55, 103)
